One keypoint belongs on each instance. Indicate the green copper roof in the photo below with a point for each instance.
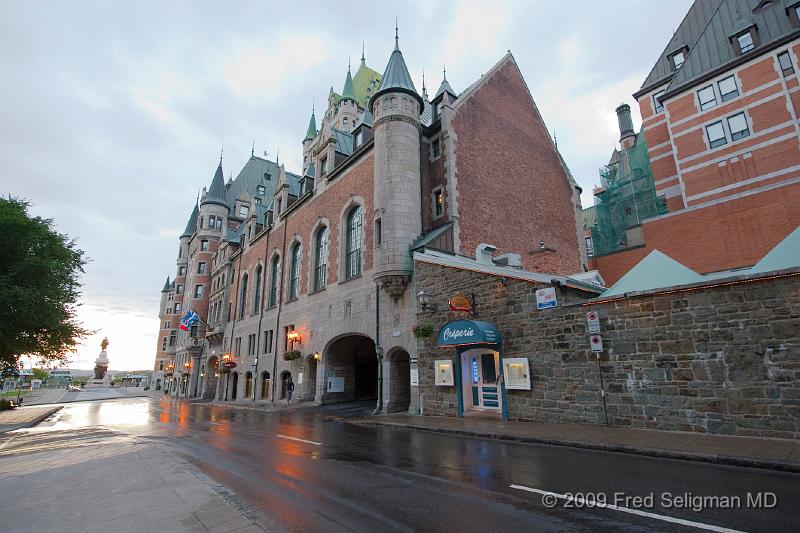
(312, 127)
(216, 192)
(655, 271)
(786, 254)
(365, 83)
(347, 92)
(191, 225)
(396, 76)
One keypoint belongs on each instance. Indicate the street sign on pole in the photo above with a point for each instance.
(593, 321)
(596, 341)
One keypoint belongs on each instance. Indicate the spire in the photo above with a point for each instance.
(311, 132)
(424, 89)
(191, 225)
(396, 77)
(445, 86)
(216, 192)
(347, 92)
(166, 286)
(253, 150)
(363, 60)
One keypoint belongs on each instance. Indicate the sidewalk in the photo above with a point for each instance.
(257, 405)
(774, 454)
(23, 417)
(51, 396)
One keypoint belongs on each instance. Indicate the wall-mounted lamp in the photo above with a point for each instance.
(293, 336)
(317, 356)
(424, 301)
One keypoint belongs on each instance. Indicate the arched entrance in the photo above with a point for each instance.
(265, 384)
(248, 385)
(210, 379)
(351, 369)
(234, 384)
(310, 379)
(284, 378)
(399, 380)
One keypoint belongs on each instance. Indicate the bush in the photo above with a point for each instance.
(291, 356)
(423, 331)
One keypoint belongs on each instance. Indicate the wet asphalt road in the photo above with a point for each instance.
(341, 476)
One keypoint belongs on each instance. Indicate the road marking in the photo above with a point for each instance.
(578, 499)
(300, 440)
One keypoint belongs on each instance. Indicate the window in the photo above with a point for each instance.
(257, 289)
(677, 59)
(273, 282)
(179, 288)
(286, 331)
(177, 308)
(438, 202)
(268, 341)
(352, 258)
(716, 135)
(251, 344)
(786, 63)
(745, 41)
(203, 246)
(378, 232)
(193, 331)
(172, 339)
(201, 267)
(707, 98)
(261, 190)
(161, 364)
(201, 222)
(359, 138)
(294, 281)
(258, 201)
(344, 121)
(589, 247)
(212, 222)
(436, 147)
(242, 296)
(323, 166)
(166, 324)
(439, 108)
(656, 103)
(727, 88)
(238, 346)
(321, 259)
(280, 204)
(198, 291)
(737, 124)
(164, 345)
(181, 271)
(243, 211)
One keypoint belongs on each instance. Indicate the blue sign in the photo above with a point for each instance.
(474, 370)
(464, 332)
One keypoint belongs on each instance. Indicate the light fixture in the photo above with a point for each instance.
(293, 336)
(424, 301)
(317, 356)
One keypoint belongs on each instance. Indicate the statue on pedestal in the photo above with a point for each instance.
(101, 364)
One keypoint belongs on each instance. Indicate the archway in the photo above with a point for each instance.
(284, 378)
(248, 385)
(234, 384)
(351, 369)
(310, 379)
(209, 390)
(265, 384)
(399, 380)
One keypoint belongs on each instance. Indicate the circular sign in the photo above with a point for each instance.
(229, 364)
(591, 315)
(596, 339)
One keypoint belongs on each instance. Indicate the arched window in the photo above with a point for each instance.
(321, 258)
(352, 259)
(257, 290)
(294, 281)
(242, 296)
(273, 282)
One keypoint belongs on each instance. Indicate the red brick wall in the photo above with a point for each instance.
(432, 175)
(512, 189)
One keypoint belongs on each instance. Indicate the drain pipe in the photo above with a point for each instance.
(378, 349)
(280, 307)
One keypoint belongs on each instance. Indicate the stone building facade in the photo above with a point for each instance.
(309, 276)
(719, 357)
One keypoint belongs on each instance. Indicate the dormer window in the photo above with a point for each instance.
(323, 166)
(267, 176)
(439, 107)
(745, 41)
(359, 138)
(244, 211)
(258, 201)
(261, 190)
(677, 59)
(279, 205)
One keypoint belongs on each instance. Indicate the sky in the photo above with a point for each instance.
(114, 113)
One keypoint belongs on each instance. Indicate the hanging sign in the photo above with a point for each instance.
(593, 321)
(546, 298)
(596, 341)
(229, 364)
(461, 332)
(459, 302)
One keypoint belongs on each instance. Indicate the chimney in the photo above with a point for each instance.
(627, 137)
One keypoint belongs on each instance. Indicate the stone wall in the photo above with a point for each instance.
(722, 359)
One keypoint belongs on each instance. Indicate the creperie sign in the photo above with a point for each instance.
(455, 334)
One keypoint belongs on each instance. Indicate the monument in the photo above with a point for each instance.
(100, 368)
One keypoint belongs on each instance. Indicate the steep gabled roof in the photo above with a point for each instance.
(445, 88)
(311, 132)
(166, 286)
(713, 51)
(252, 175)
(347, 92)
(216, 192)
(344, 141)
(191, 225)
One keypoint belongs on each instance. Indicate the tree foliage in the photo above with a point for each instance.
(39, 287)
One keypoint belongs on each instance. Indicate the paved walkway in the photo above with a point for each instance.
(23, 417)
(100, 481)
(776, 454)
(50, 396)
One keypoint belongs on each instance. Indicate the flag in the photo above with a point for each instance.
(188, 320)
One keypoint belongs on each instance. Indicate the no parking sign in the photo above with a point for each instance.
(596, 341)
(593, 321)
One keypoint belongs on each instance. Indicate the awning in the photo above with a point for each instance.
(465, 332)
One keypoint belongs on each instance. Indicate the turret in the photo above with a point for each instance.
(348, 107)
(396, 108)
(627, 137)
(308, 140)
(445, 96)
(214, 207)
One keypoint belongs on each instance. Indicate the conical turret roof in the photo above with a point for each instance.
(347, 92)
(191, 225)
(216, 192)
(166, 286)
(444, 88)
(312, 128)
(396, 77)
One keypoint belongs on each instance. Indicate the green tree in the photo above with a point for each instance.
(39, 373)
(39, 287)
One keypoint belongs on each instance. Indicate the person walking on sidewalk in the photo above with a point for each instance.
(289, 389)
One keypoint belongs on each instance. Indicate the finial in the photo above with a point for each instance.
(444, 72)
(362, 51)
(221, 150)
(555, 140)
(313, 103)
(396, 35)
(348, 62)
(423, 80)
(278, 157)
(253, 150)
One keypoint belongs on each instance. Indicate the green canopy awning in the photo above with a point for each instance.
(466, 332)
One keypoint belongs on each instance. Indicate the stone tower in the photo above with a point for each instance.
(214, 208)
(396, 109)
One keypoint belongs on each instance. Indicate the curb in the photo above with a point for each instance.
(34, 421)
(727, 460)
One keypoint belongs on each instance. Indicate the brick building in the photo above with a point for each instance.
(719, 114)
(310, 275)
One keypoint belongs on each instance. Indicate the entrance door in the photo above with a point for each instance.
(485, 390)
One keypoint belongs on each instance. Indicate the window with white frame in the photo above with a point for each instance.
(677, 59)
(352, 259)
(198, 291)
(785, 63)
(244, 211)
(745, 41)
(321, 259)
(589, 247)
(201, 267)
(203, 246)
(261, 190)
(706, 98)
(181, 271)
(737, 124)
(728, 88)
(656, 104)
(716, 135)
(177, 307)
(179, 288)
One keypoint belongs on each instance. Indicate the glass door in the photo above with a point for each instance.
(485, 390)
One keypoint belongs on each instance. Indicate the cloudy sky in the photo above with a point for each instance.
(113, 113)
